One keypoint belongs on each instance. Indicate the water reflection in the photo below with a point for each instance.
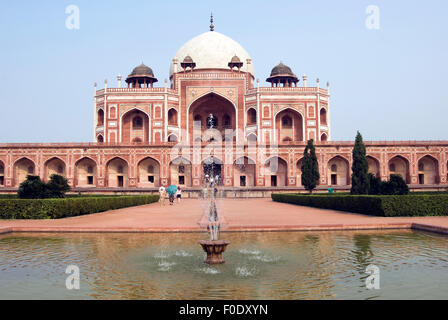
(277, 265)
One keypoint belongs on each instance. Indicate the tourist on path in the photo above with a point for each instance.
(171, 192)
(162, 195)
(178, 194)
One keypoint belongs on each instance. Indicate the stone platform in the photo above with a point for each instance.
(240, 215)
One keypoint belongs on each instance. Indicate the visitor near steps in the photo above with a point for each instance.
(178, 194)
(162, 195)
(171, 192)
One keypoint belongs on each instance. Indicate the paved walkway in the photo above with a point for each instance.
(238, 214)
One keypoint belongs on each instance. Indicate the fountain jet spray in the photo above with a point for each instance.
(214, 247)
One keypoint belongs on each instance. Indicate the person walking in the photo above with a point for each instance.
(162, 195)
(178, 194)
(171, 192)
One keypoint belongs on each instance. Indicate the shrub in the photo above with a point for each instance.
(67, 207)
(32, 188)
(57, 186)
(375, 184)
(381, 205)
(395, 186)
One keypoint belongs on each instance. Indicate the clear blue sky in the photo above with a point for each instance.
(389, 83)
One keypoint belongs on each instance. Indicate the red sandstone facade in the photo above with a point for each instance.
(149, 136)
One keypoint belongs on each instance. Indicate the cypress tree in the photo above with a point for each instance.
(360, 168)
(310, 167)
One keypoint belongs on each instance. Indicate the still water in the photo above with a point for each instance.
(276, 265)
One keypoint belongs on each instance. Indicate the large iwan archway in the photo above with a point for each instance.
(223, 111)
(135, 127)
(289, 126)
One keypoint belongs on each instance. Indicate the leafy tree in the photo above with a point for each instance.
(57, 186)
(360, 168)
(310, 167)
(32, 188)
(395, 186)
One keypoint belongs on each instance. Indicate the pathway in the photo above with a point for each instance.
(239, 214)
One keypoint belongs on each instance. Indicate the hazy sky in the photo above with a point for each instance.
(389, 83)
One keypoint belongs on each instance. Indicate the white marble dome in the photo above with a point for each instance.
(212, 50)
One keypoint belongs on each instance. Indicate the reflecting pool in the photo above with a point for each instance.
(269, 265)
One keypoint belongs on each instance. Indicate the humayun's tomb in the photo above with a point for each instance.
(214, 111)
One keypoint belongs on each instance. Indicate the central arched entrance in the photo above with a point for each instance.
(224, 116)
(212, 168)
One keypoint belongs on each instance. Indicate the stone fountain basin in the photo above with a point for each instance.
(214, 250)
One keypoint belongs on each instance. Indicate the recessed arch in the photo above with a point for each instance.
(2, 174)
(131, 127)
(54, 165)
(324, 137)
(180, 172)
(100, 138)
(172, 138)
(323, 116)
(244, 170)
(338, 171)
(148, 172)
(85, 173)
(22, 168)
(251, 117)
(428, 170)
(100, 117)
(275, 171)
(299, 172)
(399, 165)
(172, 117)
(252, 138)
(212, 167)
(374, 166)
(289, 123)
(216, 104)
(117, 170)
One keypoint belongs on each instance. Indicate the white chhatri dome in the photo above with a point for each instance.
(212, 50)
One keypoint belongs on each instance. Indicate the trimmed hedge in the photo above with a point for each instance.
(61, 208)
(386, 206)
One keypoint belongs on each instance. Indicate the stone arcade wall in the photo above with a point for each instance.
(92, 167)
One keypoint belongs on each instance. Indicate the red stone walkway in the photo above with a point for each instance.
(239, 214)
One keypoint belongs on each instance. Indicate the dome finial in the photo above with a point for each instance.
(212, 27)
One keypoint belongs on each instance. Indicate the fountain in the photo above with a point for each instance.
(213, 247)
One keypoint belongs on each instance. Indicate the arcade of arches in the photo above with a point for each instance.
(244, 172)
